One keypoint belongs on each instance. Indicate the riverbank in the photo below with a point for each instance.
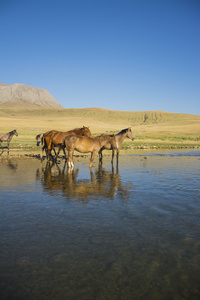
(34, 152)
(152, 130)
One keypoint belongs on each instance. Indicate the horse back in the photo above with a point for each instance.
(4, 137)
(49, 133)
(58, 137)
(81, 143)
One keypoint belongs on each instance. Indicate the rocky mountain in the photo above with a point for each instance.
(21, 94)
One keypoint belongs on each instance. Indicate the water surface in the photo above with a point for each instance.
(130, 232)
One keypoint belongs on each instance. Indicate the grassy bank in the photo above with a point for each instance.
(29, 143)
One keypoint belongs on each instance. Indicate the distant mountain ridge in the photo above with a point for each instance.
(21, 94)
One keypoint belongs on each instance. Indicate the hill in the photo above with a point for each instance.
(24, 96)
(154, 129)
(152, 123)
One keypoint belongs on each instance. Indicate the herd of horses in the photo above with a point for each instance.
(79, 139)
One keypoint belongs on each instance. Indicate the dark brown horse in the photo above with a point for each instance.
(54, 139)
(7, 137)
(119, 140)
(85, 145)
(40, 140)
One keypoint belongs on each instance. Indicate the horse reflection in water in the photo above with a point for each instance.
(102, 183)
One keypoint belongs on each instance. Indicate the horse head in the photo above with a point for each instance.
(86, 131)
(15, 132)
(39, 138)
(130, 134)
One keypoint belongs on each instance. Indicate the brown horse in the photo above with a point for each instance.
(85, 145)
(54, 139)
(119, 140)
(40, 139)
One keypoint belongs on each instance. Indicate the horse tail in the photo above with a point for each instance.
(42, 139)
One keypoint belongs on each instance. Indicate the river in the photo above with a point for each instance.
(131, 232)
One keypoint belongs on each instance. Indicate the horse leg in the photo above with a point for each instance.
(61, 147)
(48, 147)
(53, 157)
(70, 163)
(48, 151)
(56, 155)
(92, 158)
(64, 153)
(100, 157)
(117, 157)
(113, 153)
(1, 148)
(54, 151)
(41, 155)
(8, 147)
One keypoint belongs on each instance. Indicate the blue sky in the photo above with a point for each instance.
(136, 55)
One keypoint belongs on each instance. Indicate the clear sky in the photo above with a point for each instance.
(136, 55)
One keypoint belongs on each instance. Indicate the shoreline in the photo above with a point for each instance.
(34, 153)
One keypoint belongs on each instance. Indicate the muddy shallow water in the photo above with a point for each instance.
(130, 232)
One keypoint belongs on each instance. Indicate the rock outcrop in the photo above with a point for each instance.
(25, 94)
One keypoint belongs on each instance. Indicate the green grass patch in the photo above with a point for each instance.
(169, 138)
(158, 145)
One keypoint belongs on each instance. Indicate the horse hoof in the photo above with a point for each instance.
(70, 165)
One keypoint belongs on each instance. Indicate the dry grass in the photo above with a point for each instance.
(148, 127)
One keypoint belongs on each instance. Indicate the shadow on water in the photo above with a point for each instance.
(101, 184)
(12, 165)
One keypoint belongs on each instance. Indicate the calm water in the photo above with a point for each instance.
(126, 233)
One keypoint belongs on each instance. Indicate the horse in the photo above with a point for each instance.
(7, 137)
(40, 139)
(55, 139)
(85, 145)
(120, 136)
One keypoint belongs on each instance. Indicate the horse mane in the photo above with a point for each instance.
(72, 130)
(123, 131)
(14, 130)
(77, 128)
(81, 128)
(40, 135)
